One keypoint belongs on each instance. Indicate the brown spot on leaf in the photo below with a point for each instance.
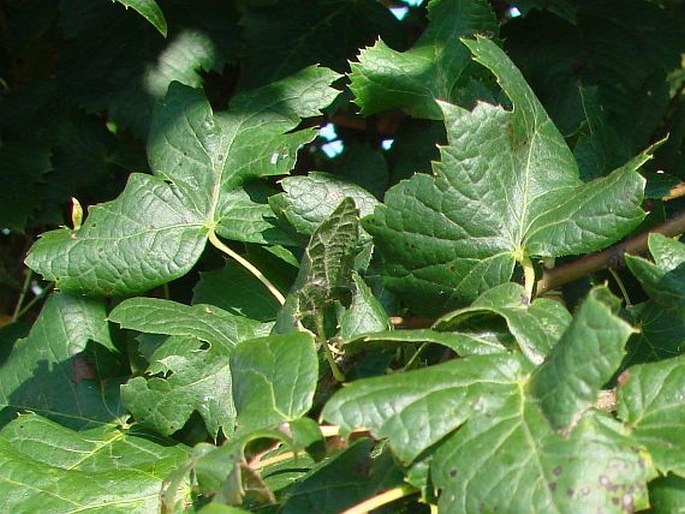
(82, 369)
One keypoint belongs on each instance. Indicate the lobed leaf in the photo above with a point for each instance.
(384, 79)
(183, 376)
(506, 189)
(157, 229)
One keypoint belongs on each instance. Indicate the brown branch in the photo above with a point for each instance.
(611, 257)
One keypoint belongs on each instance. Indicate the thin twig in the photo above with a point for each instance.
(613, 256)
(35, 299)
(22, 295)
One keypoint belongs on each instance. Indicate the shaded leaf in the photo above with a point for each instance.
(23, 167)
(41, 374)
(667, 494)
(661, 334)
(236, 290)
(285, 37)
(117, 62)
(535, 326)
(322, 490)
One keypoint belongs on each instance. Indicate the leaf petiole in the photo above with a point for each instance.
(247, 265)
(382, 499)
(528, 275)
(338, 375)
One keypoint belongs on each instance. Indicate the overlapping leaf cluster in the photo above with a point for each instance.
(301, 373)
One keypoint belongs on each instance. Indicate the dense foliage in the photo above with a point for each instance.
(338, 256)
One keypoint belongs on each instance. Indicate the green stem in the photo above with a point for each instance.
(528, 276)
(33, 301)
(389, 496)
(409, 364)
(338, 375)
(621, 287)
(248, 266)
(22, 295)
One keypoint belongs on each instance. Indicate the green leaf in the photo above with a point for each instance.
(462, 344)
(274, 379)
(157, 229)
(650, 400)
(204, 322)
(416, 409)
(664, 279)
(536, 326)
(588, 354)
(310, 199)
(365, 314)
(45, 467)
(150, 11)
(184, 376)
(506, 189)
(431, 70)
(512, 461)
(45, 371)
